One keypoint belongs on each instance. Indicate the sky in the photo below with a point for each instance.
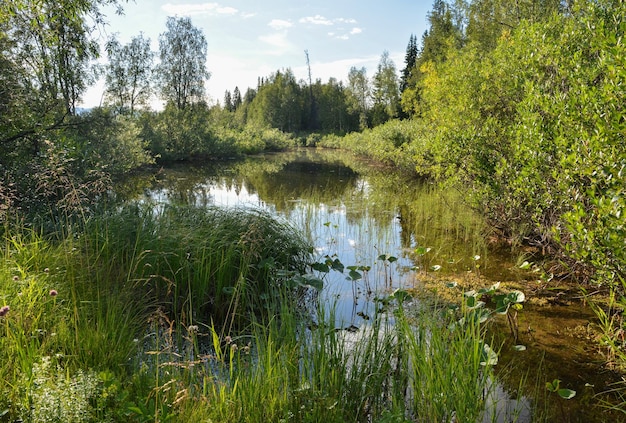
(248, 39)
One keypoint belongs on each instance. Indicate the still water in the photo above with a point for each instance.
(364, 216)
(402, 231)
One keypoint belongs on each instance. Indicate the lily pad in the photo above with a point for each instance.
(566, 393)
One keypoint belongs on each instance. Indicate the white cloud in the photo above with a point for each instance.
(279, 24)
(277, 41)
(316, 20)
(198, 9)
(344, 20)
(356, 31)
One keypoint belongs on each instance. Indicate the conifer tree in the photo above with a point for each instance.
(410, 60)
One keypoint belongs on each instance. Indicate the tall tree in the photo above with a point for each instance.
(237, 101)
(279, 102)
(228, 101)
(313, 115)
(128, 73)
(182, 71)
(410, 60)
(359, 94)
(386, 91)
(442, 35)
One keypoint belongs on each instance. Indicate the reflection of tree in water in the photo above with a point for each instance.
(372, 197)
(315, 182)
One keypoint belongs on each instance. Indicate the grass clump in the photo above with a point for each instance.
(88, 302)
(200, 263)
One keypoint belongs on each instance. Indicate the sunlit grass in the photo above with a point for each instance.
(185, 314)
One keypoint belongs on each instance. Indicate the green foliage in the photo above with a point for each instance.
(182, 72)
(385, 91)
(176, 134)
(128, 73)
(398, 143)
(77, 314)
(279, 103)
(110, 143)
(532, 126)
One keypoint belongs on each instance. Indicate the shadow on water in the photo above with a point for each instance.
(363, 214)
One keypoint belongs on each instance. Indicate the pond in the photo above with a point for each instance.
(398, 232)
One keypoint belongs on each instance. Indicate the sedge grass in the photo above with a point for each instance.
(190, 315)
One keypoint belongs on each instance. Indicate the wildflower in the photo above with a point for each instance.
(192, 329)
(46, 270)
(4, 310)
(53, 293)
(228, 339)
(16, 278)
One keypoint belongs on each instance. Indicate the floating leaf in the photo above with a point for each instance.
(472, 303)
(502, 308)
(337, 265)
(525, 266)
(420, 251)
(354, 275)
(309, 280)
(516, 297)
(401, 295)
(320, 267)
(489, 356)
(566, 393)
(477, 304)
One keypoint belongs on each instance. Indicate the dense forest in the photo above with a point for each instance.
(518, 103)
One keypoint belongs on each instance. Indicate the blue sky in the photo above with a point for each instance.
(249, 39)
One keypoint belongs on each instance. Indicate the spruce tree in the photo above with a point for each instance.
(409, 62)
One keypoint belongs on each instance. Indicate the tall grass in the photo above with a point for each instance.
(200, 264)
(183, 314)
(83, 299)
(403, 367)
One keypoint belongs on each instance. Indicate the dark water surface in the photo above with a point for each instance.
(357, 212)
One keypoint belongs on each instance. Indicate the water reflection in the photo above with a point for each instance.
(349, 209)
